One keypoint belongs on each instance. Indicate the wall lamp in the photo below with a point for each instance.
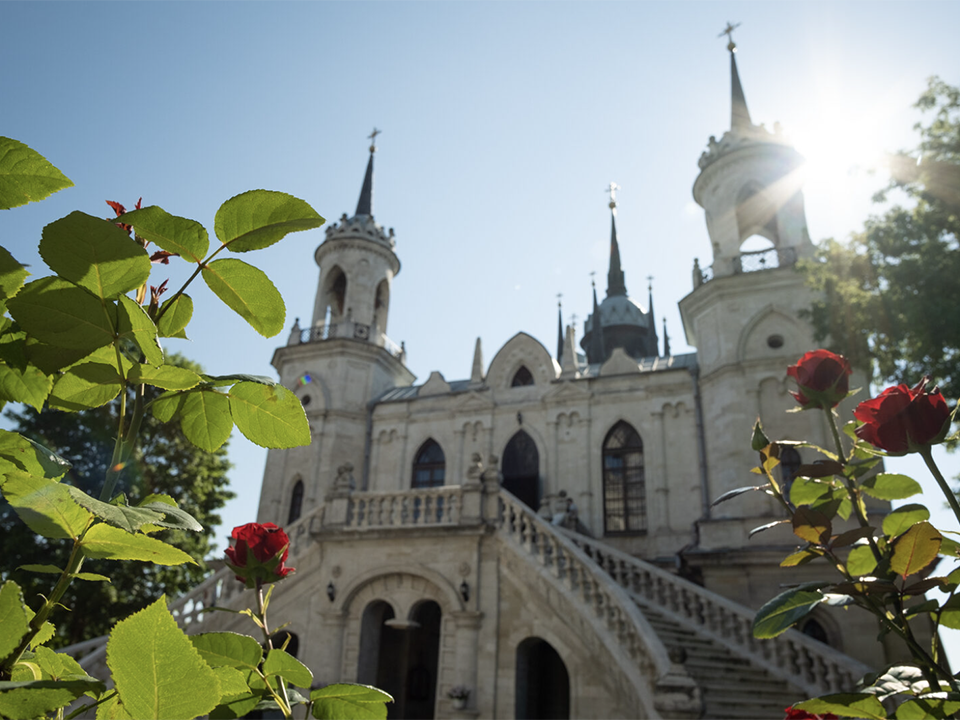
(465, 591)
(331, 591)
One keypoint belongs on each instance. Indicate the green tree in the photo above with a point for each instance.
(164, 462)
(890, 295)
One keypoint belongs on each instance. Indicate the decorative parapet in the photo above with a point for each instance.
(812, 666)
(350, 330)
(740, 138)
(363, 226)
(747, 262)
(408, 509)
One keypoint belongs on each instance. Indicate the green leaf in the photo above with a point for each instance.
(903, 518)
(58, 665)
(239, 708)
(46, 630)
(915, 549)
(889, 486)
(33, 458)
(30, 386)
(806, 492)
(852, 705)
(110, 543)
(157, 671)
(91, 577)
(45, 506)
(12, 274)
(810, 525)
(248, 292)
(226, 380)
(175, 316)
(36, 698)
(166, 407)
(928, 707)
(259, 218)
(174, 517)
(270, 416)
(48, 569)
(84, 386)
(136, 325)
(345, 701)
(95, 254)
(167, 377)
(26, 176)
(799, 558)
(182, 236)
(205, 418)
(759, 440)
(233, 683)
(113, 709)
(780, 613)
(60, 313)
(736, 492)
(121, 516)
(51, 358)
(861, 561)
(279, 662)
(228, 649)
(14, 621)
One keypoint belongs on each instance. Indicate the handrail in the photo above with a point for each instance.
(423, 507)
(811, 665)
(608, 607)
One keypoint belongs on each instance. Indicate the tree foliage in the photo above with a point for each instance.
(890, 295)
(164, 462)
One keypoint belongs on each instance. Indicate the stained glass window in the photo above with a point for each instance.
(624, 483)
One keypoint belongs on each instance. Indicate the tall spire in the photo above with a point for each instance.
(654, 342)
(365, 203)
(615, 282)
(596, 352)
(739, 114)
(559, 328)
(666, 339)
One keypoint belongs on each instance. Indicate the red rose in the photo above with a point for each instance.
(822, 378)
(259, 553)
(901, 420)
(795, 714)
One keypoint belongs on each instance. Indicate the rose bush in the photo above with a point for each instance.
(259, 554)
(903, 419)
(821, 378)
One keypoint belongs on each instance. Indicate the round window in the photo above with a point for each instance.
(775, 342)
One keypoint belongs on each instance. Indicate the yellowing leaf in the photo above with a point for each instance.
(915, 549)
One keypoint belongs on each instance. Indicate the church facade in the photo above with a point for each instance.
(541, 534)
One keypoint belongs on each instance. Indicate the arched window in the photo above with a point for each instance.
(624, 484)
(296, 502)
(521, 469)
(522, 377)
(789, 465)
(811, 628)
(334, 294)
(429, 466)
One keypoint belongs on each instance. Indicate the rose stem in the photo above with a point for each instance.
(927, 454)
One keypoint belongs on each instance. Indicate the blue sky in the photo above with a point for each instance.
(502, 124)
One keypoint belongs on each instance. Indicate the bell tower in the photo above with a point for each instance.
(340, 363)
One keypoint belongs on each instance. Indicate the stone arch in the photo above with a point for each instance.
(769, 321)
(524, 482)
(334, 294)
(295, 503)
(381, 305)
(376, 583)
(522, 350)
(542, 681)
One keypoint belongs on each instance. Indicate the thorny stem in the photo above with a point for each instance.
(927, 454)
(284, 701)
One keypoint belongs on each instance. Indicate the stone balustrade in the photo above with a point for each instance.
(813, 666)
(405, 509)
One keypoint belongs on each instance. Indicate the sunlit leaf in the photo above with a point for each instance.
(19, 452)
(248, 292)
(175, 315)
(30, 386)
(12, 273)
(270, 416)
(780, 613)
(13, 618)
(58, 312)
(343, 701)
(84, 386)
(181, 236)
(26, 176)
(135, 324)
(889, 486)
(45, 506)
(122, 516)
(259, 218)
(109, 543)
(851, 705)
(228, 649)
(95, 254)
(903, 518)
(915, 549)
(861, 561)
(205, 418)
(810, 525)
(167, 377)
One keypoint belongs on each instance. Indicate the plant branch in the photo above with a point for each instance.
(927, 454)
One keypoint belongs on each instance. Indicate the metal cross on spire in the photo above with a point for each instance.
(373, 138)
(612, 189)
(728, 31)
(592, 281)
(559, 296)
(650, 283)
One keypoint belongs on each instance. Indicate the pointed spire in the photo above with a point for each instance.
(739, 114)
(559, 328)
(476, 372)
(596, 352)
(666, 339)
(654, 342)
(365, 203)
(569, 367)
(615, 282)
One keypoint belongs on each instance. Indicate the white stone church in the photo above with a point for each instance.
(541, 532)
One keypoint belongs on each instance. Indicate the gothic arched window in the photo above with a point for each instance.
(522, 377)
(789, 466)
(624, 485)
(429, 465)
(296, 502)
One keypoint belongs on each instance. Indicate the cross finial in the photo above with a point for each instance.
(728, 31)
(612, 189)
(373, 138)
(573, 319)
(592, 281)
(650, 283)
(559, 295)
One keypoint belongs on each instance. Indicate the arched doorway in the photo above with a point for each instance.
(401, 657)
(521, 469)
(542, 682)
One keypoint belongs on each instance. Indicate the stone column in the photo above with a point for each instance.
(468, 637)
(328, 665)
(661, 484)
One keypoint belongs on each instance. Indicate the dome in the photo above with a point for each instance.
(620, 310)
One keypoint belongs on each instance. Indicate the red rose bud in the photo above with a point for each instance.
(822, 379)
(259, 553)
(902, 419)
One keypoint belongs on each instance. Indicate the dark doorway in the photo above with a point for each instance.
(542, 682)
(401, 657)
(521, 469)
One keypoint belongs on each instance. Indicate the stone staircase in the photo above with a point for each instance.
(731, 686)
